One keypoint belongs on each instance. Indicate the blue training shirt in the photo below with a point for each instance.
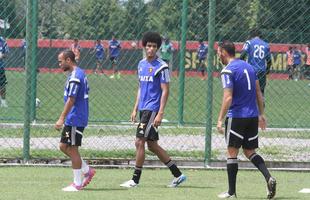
(4, 49)
(99, 51)
(114, 48)
(296, 57)
(258, 52)
(241, 78)
(77, 87)
(202, 51)
(151, 76)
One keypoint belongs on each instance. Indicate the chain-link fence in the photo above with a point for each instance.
(36, 31)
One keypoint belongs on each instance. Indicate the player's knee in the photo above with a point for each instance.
(139, 143)
(63, 147)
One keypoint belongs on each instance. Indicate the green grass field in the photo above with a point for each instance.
(36, 183)
(287, 102)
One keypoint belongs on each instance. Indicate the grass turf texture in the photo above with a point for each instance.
(111, 100)
(36, 183)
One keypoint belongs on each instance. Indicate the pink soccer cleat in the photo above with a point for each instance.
(88, 176)
(72, 188)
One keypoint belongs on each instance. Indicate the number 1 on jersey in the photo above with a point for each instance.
(248, 78)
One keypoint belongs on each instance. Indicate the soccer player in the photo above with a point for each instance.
(166, 51)
(258, 53)
(296, 63)
(244, 110)
(99, 49)
(114, 52)
(152, 96)
(74, 119)
(23, 48)
(75, 47)
(289, 56)
(3, 81)
(202, 54)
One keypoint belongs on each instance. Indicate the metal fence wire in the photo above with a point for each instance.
(36, 31)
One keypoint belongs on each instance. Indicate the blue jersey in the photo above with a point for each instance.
(202, 51)
(151, 76)
(114, 48)
(241, 78)
(77, 87)
(4, 49)
(296, 57)
(99, 51)
(258, 52)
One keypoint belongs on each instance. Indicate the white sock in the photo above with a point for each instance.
(77, 173)
(85, 167)
(3, 101)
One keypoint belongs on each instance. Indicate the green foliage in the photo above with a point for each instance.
(92, 19)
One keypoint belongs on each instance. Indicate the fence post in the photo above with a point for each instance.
(211, 38)
(34, 39)
(182, 63)
(31, 39)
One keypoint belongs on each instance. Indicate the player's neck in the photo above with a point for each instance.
(229, 60)
(73, 68)
(150, 59)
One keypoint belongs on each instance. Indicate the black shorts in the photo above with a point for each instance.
(242, 132)
(3, 80)
(72, 135)
(113, 60)
(145, 128)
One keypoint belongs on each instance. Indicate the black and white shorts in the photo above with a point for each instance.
(145, 128)
(113, 60)
(72, 135)
(242, 132)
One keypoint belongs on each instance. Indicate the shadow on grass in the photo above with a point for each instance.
(104, 189)
(276, 197)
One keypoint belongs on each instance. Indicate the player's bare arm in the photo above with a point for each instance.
(226, 102)
(243, 55)
(163, 102)
(68, 106)
(260, 103)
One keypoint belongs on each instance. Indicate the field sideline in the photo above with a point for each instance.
(36, 183)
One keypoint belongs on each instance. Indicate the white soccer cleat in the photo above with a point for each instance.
(305, 190)
(129, 184)
(177, 181)
(72, 188)
(226, 195)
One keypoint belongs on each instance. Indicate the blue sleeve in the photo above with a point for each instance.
(246, 46)
(227, 78)
(73, 89)
(165, 76)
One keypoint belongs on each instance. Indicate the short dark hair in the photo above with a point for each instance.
(151, 37)
(200, 40)
(228, 46)
(75, 40)
(255, 32)
(68, 54)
